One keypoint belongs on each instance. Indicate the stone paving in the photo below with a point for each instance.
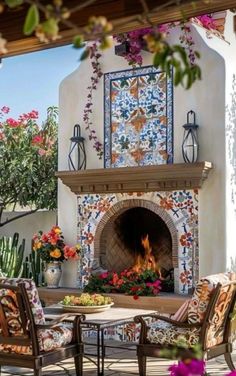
(119, 363)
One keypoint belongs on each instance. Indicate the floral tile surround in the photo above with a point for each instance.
(138, 118)
(182, 208)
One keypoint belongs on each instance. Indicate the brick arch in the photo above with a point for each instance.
(124, 205)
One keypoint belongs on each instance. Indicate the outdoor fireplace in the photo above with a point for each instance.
(116, 230)
(166, 194)
(135, 238)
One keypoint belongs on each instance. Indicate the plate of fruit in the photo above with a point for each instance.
(86, 303)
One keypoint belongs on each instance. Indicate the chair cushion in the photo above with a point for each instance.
(59, 336)
(48, 339)
(164, 333)
(202, 294)
(216, 329)
(182, 314)
(32, 293)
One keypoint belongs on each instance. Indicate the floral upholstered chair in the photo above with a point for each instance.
(26, 339)
(205, 319)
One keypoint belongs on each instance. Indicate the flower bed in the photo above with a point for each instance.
(145, 283)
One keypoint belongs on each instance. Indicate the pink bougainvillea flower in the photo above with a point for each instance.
(12, 123)
(233, 373)
(5, 109)
(190, 367)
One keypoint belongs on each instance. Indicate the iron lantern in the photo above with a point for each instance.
(77, 154)
(190, 146)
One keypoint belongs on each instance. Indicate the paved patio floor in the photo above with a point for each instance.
(120, 363)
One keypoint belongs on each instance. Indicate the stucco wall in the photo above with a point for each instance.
(29, 225)
(206, 98)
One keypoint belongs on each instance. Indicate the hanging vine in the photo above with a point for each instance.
(94, 55)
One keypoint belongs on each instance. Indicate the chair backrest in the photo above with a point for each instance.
(20, 310)
(216, 325)
(204, 289)
(32, 293)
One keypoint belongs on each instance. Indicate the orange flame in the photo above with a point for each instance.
(146, 262)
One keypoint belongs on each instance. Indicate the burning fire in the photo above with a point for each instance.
(146, 262)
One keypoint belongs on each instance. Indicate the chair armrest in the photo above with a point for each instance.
(140, 320)
(58, 320)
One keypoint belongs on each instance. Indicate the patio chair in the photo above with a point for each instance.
(207, 322)
(26, 339)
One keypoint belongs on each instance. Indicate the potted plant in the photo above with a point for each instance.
(53, 251)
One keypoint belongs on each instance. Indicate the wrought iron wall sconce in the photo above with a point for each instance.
(190, 145)
(77, 153)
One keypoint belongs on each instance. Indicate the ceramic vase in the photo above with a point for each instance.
(52, 274)
(70, 273)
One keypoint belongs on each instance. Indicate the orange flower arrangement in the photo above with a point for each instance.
(51, 246)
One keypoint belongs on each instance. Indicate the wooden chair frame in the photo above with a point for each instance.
(38, 359)
(145, 348)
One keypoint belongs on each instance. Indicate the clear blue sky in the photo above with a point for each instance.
(31, 81)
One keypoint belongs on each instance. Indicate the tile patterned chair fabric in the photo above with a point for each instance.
(207, 322)
(25, 336)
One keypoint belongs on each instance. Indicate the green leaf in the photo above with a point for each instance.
(31, 20)
(85, 54)
(78, 41)
(13, 3)
(50, 27)
(157, 59)
(177, 76)
(182, 53)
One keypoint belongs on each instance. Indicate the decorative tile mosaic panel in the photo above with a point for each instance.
(181, 207)
(138, 118)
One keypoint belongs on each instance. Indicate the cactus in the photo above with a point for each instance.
(33, 267)
(11, 256)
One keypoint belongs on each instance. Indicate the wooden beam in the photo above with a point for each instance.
(124, 19)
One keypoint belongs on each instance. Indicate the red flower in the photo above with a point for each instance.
(70, 253)
(135, 297)
(12, 123)
(44, 238)
(37, 139)
(33, 114)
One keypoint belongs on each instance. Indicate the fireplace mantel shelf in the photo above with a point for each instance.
(137, 179)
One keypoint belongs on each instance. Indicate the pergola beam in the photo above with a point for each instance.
(124, 15)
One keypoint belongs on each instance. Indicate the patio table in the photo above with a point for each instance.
(99, 322)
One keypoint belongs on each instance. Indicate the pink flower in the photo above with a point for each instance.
(5, 109)
(103, 275)
(42, 152)
(33, 114)
(192, 368)
(12, 123)
(233, 373)
(37, 139)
